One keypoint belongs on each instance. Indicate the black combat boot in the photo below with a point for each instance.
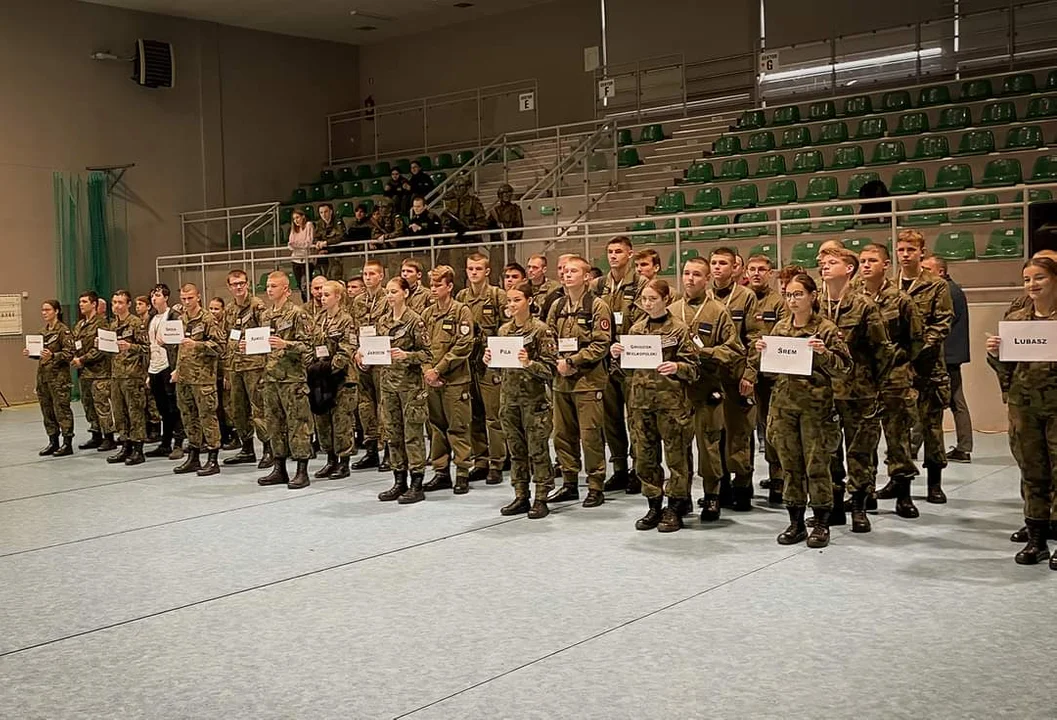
(520, 504)
(889, 491)
(742, 498)
(594, 498)
(1036, 550)
(936, 495)
(267, 459)
(765, 484)
(108, 443)
(342, 470)
(797, 530)
(462, 483)
(494, 477)
(710, 511)
(539, 507)
(300, 479)
(617, 481)
(67, 446)
(726, 492)
(153, 432)
(441, 480)
(570, 490)
(369, 461)
(1020, 536)
(51, 447)
(93, 442)
(163, 450)
(478, 473)
(121, 455)
(634, 484)
(245, 455)
(398, 489)
(774, 491)
(211, 467)
(860, 523)
(672, 517)
(135, 456)
(326, 470)
(414, 493)
(278, 474)
(652, 518)
(819, 537)
(190, 463)
(232, 443)
(837, 515)
(384, 465)
(905, 507)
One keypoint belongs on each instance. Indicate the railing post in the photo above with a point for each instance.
(917, 48)
(778, 236)
(1025, 202)
(895, 225)
(425, 127)
(833, 64)
(1012, 35)
(480, 139)
(678, 251)
(506, 247)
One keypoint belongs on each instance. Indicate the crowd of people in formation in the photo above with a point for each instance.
(402, 373)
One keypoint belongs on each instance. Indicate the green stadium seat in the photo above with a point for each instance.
(934, 95)
(403, 165)
(684, 223)
(857, 180)
(871, 128)
(976, 142)
(318, 193)
(651, 133)
(999, 173)
(286, 215)
(298, 196)
(643, 226)
(346, 174)
(1051, 80)
(235, 241)
(796, 137)
(976, 90)
(895, 101)
(832, 133)
(1044, 170)
(347, 210)
(597, 161)
(309, 211)
(908, 181)
(438, 178)
(770, 250)
(888, 152)
(368, 205)
(805, 254)
(802, 224)
(762, 141)
(624, 137)
(822, 188)
(913, 123)
(727, 145)
(257, 240)
(821, 110)
(675, 263)
(953, 176)
(669, 202)
(381, 169)
(922, 218)
(770, 165)
(463, 156)
(856, 244)
(750, 232)
(628, 157)
(1004, 244)
(979, 214)
(858, 105)
(733, 169)
(955, 118)
(374, 187)
(327, 177)
(711, 221)
(1042, 107)
(262, 283)
(743, 195)
(1034, 195)
(780, 192)
(838, 218)
(788, 115)
(752, 120)
(707, 199)
(424, 162)
(998, 113)
(364, 172)
(807, 161)
(335, 191)
(847, 157)
(700, 172)
(1019, 84)
(955, 245)
(931, 147)
(443, 161)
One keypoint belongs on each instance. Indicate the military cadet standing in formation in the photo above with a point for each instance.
(315, 298)
(487, 304)
(368, 309)
(53, 380)
(525, 406)
(244, 372)
(802, 422)
(544, 290)
(660, 411)
(336, 342)
(229, 438)
(286, 411)
(196, 384)
(128, 385)
(506, 215)
(411, 270)
(93, 372)
(449, 326)
(648, 265)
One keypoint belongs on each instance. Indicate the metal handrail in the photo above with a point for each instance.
(480, 158)
(580, 152)
(268, 217)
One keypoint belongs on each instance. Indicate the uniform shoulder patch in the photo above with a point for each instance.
(604, 323)
(464, 329)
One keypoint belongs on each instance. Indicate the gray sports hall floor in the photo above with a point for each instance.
(135, 593)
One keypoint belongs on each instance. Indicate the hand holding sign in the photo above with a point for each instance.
(172, 332)
(786, 355)
(640, 352)
(1027, 341)
(257, 341)
(106, 341)
(375, 350)
(34, 345)
(504, 351)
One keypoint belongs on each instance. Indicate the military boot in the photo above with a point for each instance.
(121, 455)
(326, 470)
(652, 518)
(384, 465)
(153, 432)
(494, 477)
(232, 443)
(594, 498)
(342, 470)
(108, 443)
(190, 463)
(267, 459)
(51, 447)
(860, 523)
(797, 530)
(742, 498)
(634, 484)
(520, 504)
(414, 493)
(710, 511)
(889, 491)
(211, 467)
(765, 484)
(67, 446)
(1020, 536)
(671, 518)
(936, 495)
(478, 473)
(819, 537)
(300, 479)
(539, 507)
(93, 442)
(245, 455)
(462, 483)
(278, 474)
(905, 507)
(774, 491)
(135, 456)
(570, 490)
(441, 480)
(369, 461)
(837, 515)
(163, 450)
(726, 492)
(617, 481)
(1036, 550)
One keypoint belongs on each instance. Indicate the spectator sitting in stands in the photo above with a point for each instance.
(420, 183)
(386, 225)
(360, 229)
(422, 222)
(398, 189)
(329, 231)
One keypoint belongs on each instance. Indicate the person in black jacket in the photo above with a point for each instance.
(956, 351)
(398, 189)
(422, 222)
(360, 229)
(419, 183)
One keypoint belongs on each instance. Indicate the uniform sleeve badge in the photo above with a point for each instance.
(604, 324)
(464, 329)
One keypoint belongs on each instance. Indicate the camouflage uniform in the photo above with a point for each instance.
(94, 374)
(368, 311)
(542, 296)
(660, 410)
(803, 420)
(336, 428)
(451, 343)
(245, 371)
(526, 410)
(463, 212)
(196, 380)
(332, 234)
(506, 214)
(488, 310)
(404, 392)
(286, 410)
(128, 386)
(578, 397)
(419, 299)
(53, 380)
(386, 228)
(770, 308)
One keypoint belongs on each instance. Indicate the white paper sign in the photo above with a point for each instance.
(769, 62)
(375, 350)
(322, 352)
(106, 341)
(172, 332)
(1028, 341)
(257, 340)
(618, 318)
(641, 352)
(77, 345)
(368, 331)
(235, 335)
(35, 345)
(504, 351)
(568, 345)
(786, 356)
(607, 89)
(526, 102)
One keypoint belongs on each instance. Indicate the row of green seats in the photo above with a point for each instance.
(348, 189)
(648, 134)
(381, 169)
(975, 200)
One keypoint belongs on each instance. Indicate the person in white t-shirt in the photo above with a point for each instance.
(159, 376)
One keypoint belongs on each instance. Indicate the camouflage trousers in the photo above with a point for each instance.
(406, 414)
(198, 410)
(764, 388)
(1033, 442)
(528, 427)
(739, 421)
(449, 428)
(650, 431)
(862, 433)
(897, 418)
(101, 404)
(370, 405)
(486, 431)
(288, 417)
(578, 421)
(128, 401)
(336, 429)
(934, 395)
(708, 433)
(88, 404)
(246, 409)
(614, 426)
(805, 439)
(153, 415)
(53, 393)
